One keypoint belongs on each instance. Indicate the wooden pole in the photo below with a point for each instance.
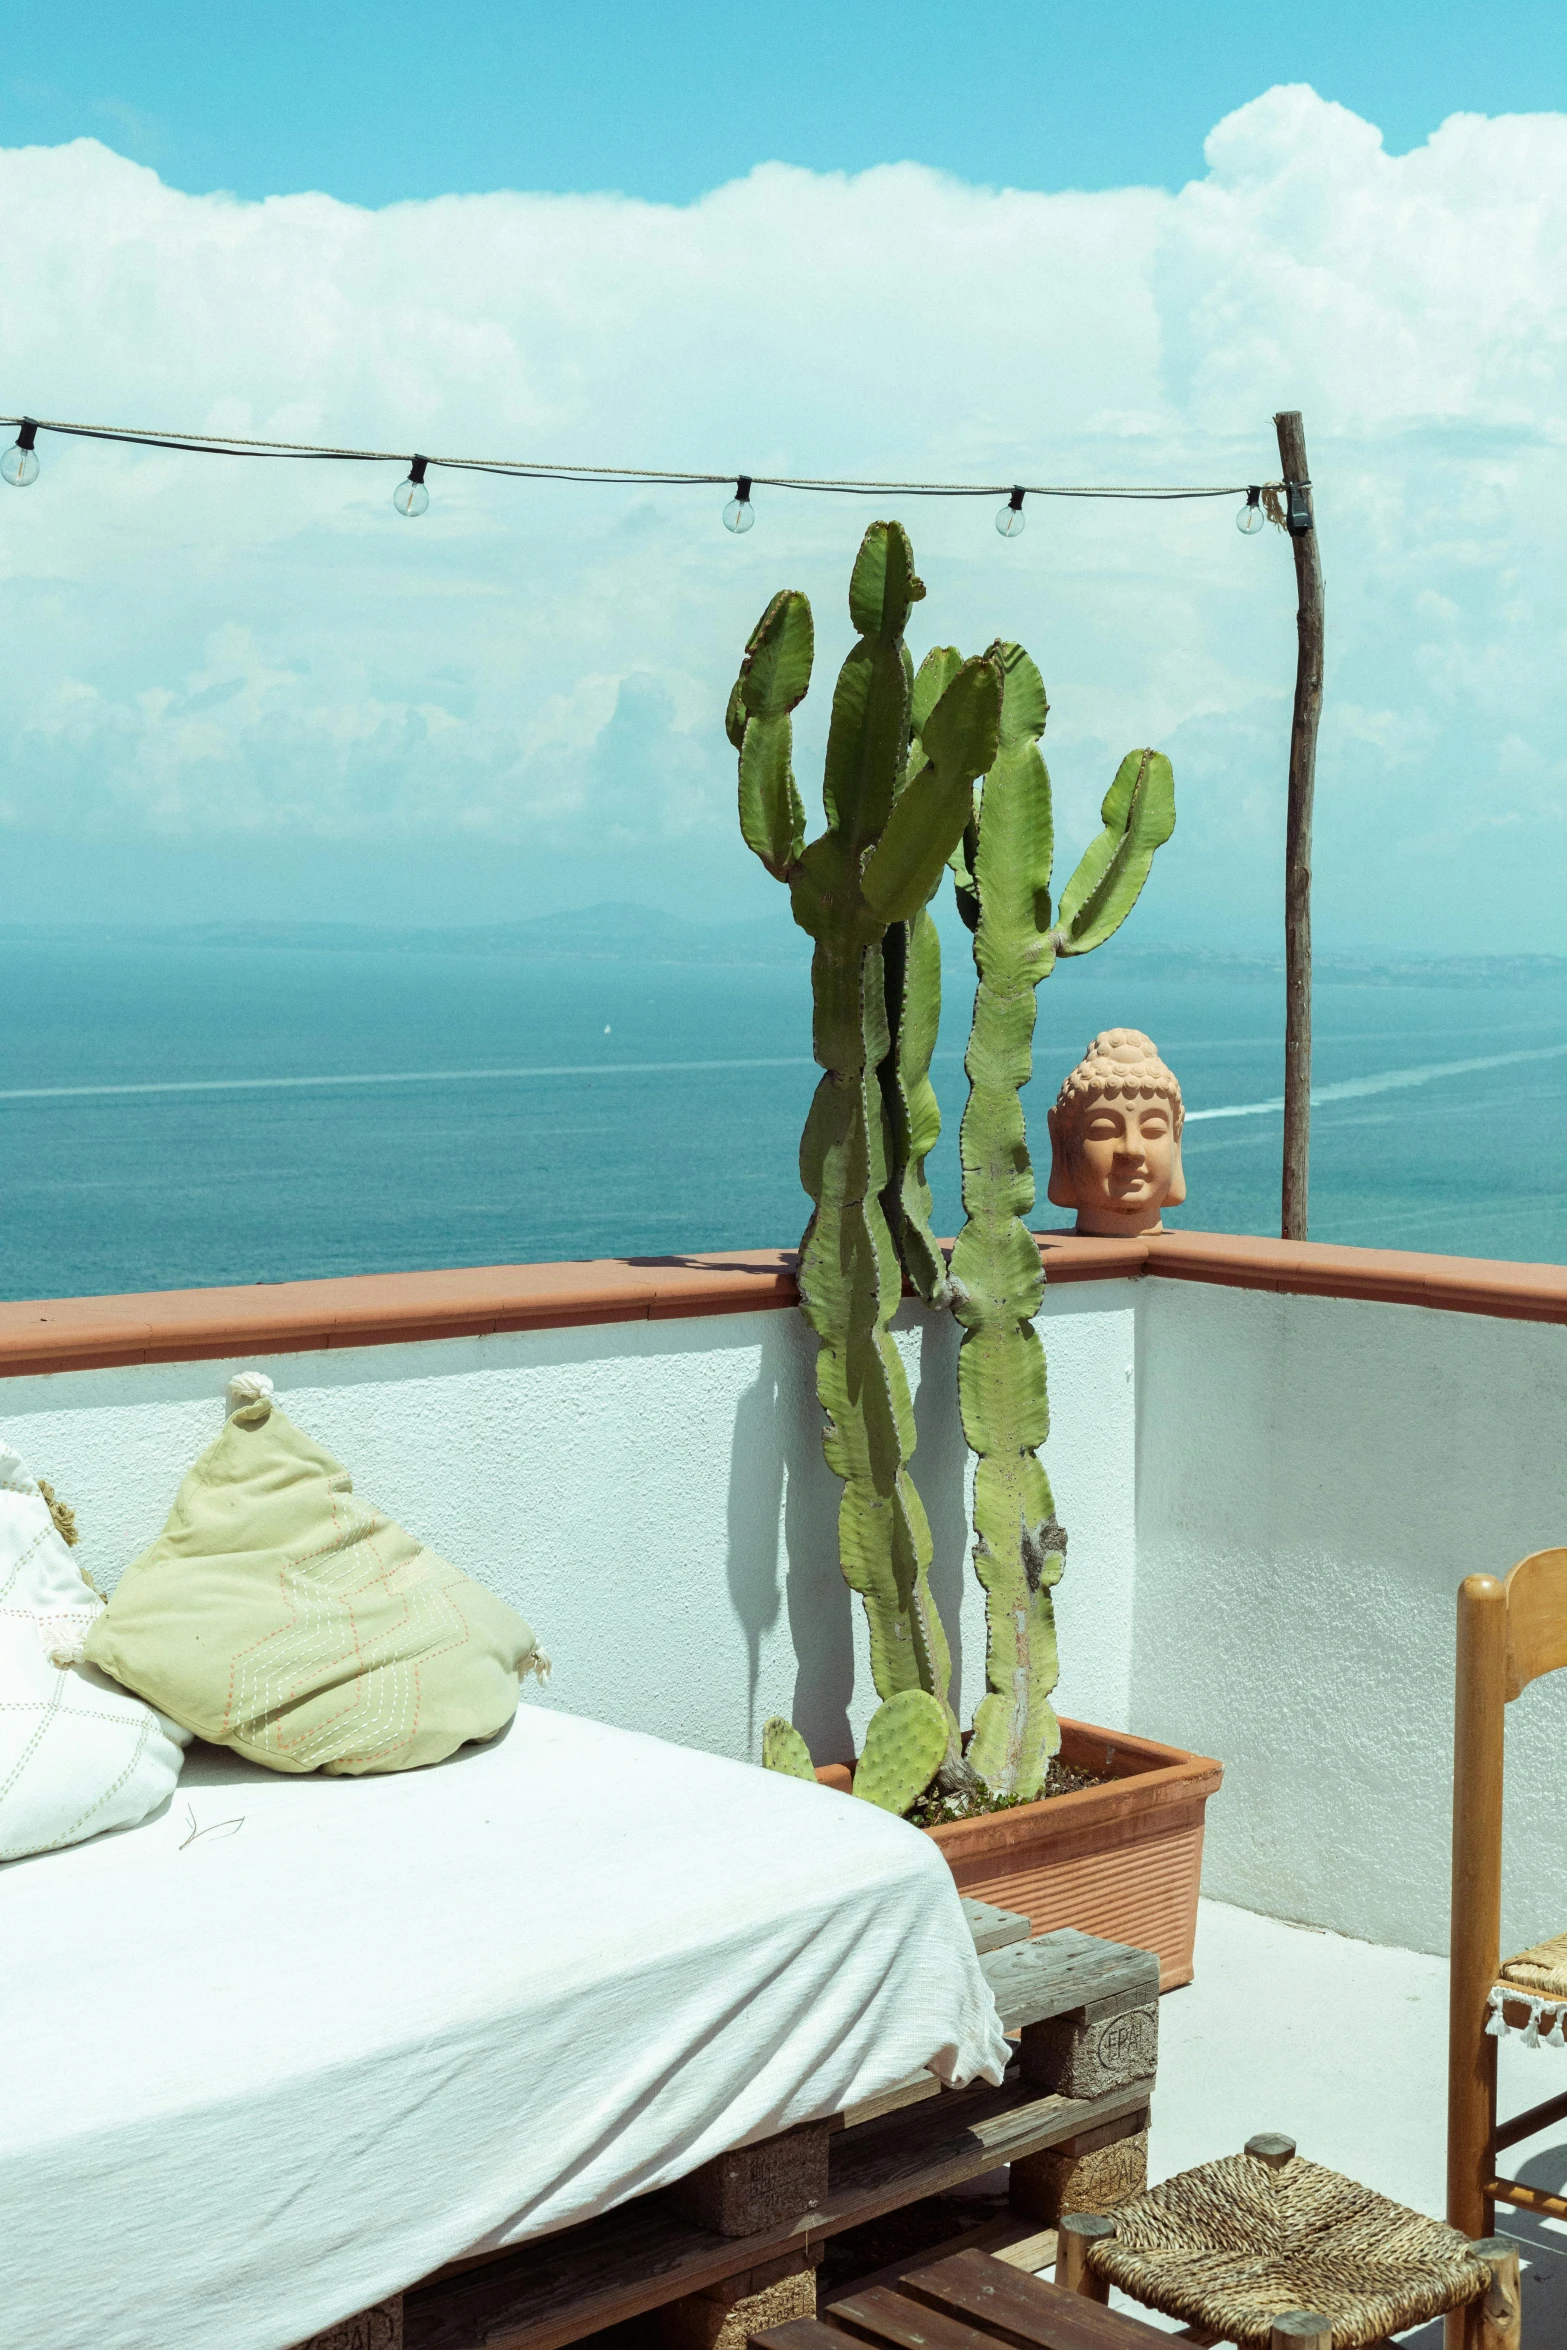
(1476, 1935)
(1297, 847)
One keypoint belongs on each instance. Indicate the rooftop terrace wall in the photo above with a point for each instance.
(1316, 1476)
(650, 1490)
(1276, 1463)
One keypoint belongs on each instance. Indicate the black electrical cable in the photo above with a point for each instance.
(527, 469)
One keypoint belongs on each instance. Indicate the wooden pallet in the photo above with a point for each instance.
(968, 2302)
(1064, 1993)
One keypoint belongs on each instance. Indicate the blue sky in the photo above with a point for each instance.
(378, 103)
(1037, 244)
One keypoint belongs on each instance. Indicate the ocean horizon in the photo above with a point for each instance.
(227, 1104)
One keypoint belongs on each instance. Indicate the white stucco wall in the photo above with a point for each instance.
(1270, 1500)
(1315, 1479)
(652, 1495)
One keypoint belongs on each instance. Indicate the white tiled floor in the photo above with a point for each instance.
(1343, 2046)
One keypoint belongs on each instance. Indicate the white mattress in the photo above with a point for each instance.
(260, 2076)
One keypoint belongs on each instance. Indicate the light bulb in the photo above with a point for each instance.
(1250, 518)
(19, 465)
(1009, 518)
(411, 497)
(739, 514)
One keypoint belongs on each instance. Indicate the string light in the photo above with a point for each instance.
(19, 465)
(1250, 519)
(411, 496)
(1010, 519)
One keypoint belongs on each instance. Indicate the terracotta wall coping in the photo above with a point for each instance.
(381, 1309)
(1384, 1276)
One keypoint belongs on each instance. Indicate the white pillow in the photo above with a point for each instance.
(77, 1752)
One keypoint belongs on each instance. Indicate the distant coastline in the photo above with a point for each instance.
(643, 934)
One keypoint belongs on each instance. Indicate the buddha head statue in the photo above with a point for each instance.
(1115, 1137)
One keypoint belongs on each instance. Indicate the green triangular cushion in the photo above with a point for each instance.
(279, 1615)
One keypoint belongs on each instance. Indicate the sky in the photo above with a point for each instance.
(1040, 243)
(380, 103)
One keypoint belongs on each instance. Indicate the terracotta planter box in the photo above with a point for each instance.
(1123, 1860)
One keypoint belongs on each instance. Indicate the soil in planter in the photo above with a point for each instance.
(1062, 1778)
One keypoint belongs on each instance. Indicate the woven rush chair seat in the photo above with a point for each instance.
(1544, 1968)
(1237, 2243)
(1529, 1995)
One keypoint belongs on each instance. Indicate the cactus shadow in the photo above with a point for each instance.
(779, 1481)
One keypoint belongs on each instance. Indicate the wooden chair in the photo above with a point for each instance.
(1509, 1634)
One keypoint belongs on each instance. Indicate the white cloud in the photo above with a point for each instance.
(207, 653)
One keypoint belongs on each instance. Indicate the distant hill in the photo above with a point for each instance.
(646, 934)
(1174, 962)
(610, 934)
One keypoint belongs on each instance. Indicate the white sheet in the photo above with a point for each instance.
(261, 2076)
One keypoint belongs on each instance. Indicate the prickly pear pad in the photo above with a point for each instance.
(905, 1740)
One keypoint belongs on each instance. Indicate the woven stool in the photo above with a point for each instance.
(1263, 2248)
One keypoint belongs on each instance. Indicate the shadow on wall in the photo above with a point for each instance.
(777, 1470)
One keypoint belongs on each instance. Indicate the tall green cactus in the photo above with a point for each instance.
(1003, 869)
(892, 823)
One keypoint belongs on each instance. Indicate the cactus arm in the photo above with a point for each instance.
(865, 742)
(905, 1741)
(958, 741)
(850, 1278)
(883, 586)
(774, 676)
(926, 821)
(851, 1285)
(775, 669)
(772, 814)
(912, 961)
(911, 954)
(935, 673)
(963, 856)
(783, 1749)
(1138, 817)
(867, 737)
(996, 1272)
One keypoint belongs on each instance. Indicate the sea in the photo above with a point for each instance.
(184, 1109)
